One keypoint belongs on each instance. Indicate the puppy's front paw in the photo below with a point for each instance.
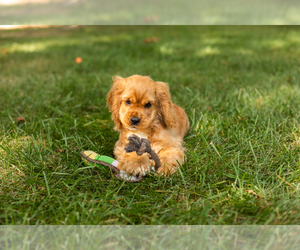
(138, 167)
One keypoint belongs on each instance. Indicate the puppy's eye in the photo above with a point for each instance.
(148, 105)
(128, 102)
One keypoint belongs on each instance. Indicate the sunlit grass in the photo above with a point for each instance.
(42, 45)
(208, 50)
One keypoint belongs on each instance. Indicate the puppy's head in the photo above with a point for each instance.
(137, 102)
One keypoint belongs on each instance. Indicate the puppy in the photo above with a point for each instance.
(143, 107)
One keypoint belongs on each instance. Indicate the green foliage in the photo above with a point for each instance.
(143, 12)
(238, 85)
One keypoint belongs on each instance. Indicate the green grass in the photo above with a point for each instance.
(238, 84)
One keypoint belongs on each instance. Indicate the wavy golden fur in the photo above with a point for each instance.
(143, 107)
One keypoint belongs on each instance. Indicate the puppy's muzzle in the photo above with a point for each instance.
(135, 120)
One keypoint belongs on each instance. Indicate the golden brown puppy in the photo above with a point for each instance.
(143, 107)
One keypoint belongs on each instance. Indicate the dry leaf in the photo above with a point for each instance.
(78, 60)
(61, 150)
(252, 192)
(20, 119)
(242, 118)
(151, 40)
(4, 51)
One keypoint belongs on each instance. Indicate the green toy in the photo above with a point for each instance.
(139, 145)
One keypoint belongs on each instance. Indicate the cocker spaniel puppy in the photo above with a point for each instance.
(143, 107)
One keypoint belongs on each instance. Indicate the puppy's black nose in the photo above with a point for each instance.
(135, 120)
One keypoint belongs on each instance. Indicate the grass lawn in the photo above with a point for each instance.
(238, 84)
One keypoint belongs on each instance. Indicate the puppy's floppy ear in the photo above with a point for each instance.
(165, 105)
(114, 100)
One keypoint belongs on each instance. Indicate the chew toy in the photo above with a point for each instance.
(139, 145)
